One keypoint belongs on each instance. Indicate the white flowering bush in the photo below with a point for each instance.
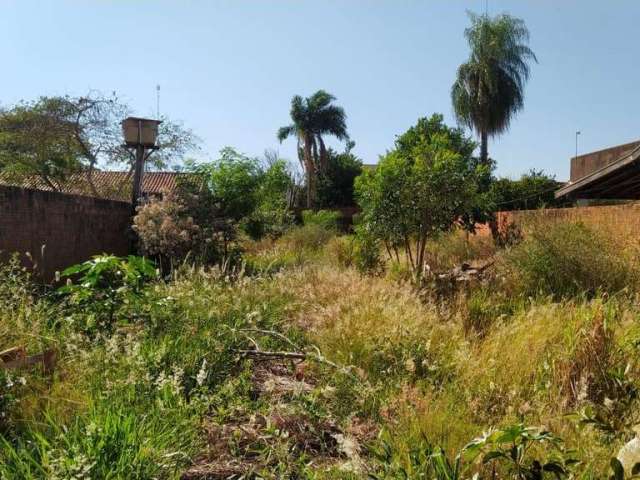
(165, 229)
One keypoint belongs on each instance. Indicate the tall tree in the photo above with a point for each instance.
(53, 137)
(312, 118)
(422, 188)
(489, 87)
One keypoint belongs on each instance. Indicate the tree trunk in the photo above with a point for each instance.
(323, 155)
(484, 148)
(310, 171)
(314, 150)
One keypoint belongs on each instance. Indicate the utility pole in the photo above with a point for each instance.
(137, 176)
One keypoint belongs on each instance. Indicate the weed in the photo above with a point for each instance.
(566, 260)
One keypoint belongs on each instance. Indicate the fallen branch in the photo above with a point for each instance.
(318, 357)
(262, 353)
(271, 333)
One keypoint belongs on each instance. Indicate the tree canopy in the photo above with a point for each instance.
(489, 87)
(52, 137)
(420, 189)
(312, 118)
(336, 183)
(531, 191)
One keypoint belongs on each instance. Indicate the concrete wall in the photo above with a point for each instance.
(583, 165)
(59, 230)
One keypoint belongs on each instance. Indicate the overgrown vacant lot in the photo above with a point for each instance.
(294, 364)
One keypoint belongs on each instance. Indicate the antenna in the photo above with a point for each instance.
(158, 102)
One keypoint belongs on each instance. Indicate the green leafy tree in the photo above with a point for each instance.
(234, 180)
(422, 188)
(336, 183)
(236, 191)
(53, 137)
(313, 117)
(489, 87)
(38, 139)
(531, 191)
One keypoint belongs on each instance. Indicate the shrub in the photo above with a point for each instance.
(367, 256)
(307, 237)
(484, 307)
(317, 229)
(566, 260)
(165, 229)
(16, 283)
(341, 250)
(326, 219)
(508, 451)
(105, 284)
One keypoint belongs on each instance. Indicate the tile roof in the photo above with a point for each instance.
(109, 184)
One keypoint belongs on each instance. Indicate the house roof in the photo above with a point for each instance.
(109, 184)
(619, 179)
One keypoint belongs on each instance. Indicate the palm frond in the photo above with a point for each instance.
(489, 87)
(286, 132)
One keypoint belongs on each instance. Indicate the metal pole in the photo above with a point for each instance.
(137, 177)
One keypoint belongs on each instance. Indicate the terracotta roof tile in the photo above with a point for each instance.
(109, 184)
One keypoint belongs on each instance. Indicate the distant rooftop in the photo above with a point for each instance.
(612, 173)
(113, 185)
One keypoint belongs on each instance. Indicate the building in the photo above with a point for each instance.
(110, 185)
(609, 174)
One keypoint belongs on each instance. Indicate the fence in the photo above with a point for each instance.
(58, 230)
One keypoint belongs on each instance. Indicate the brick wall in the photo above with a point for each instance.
(58, 229)
(616, 219)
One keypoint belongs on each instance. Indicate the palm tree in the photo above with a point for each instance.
(489, 87)
(312, 118)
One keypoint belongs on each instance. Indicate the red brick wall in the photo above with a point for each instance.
(71, 228)
(622, 220)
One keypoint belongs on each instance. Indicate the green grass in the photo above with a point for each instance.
(398, 369)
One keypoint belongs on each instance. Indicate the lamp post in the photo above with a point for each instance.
(140, 134)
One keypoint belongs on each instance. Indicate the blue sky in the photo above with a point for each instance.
(228, 69)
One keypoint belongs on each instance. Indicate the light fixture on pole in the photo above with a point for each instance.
(140, 134)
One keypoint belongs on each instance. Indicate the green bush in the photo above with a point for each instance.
(105, 284)
(566, 260)
(316, 230)
(308, 237)
(367, 256)
(327, 219)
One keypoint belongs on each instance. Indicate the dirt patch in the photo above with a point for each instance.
(278, 379)
(237, 449)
